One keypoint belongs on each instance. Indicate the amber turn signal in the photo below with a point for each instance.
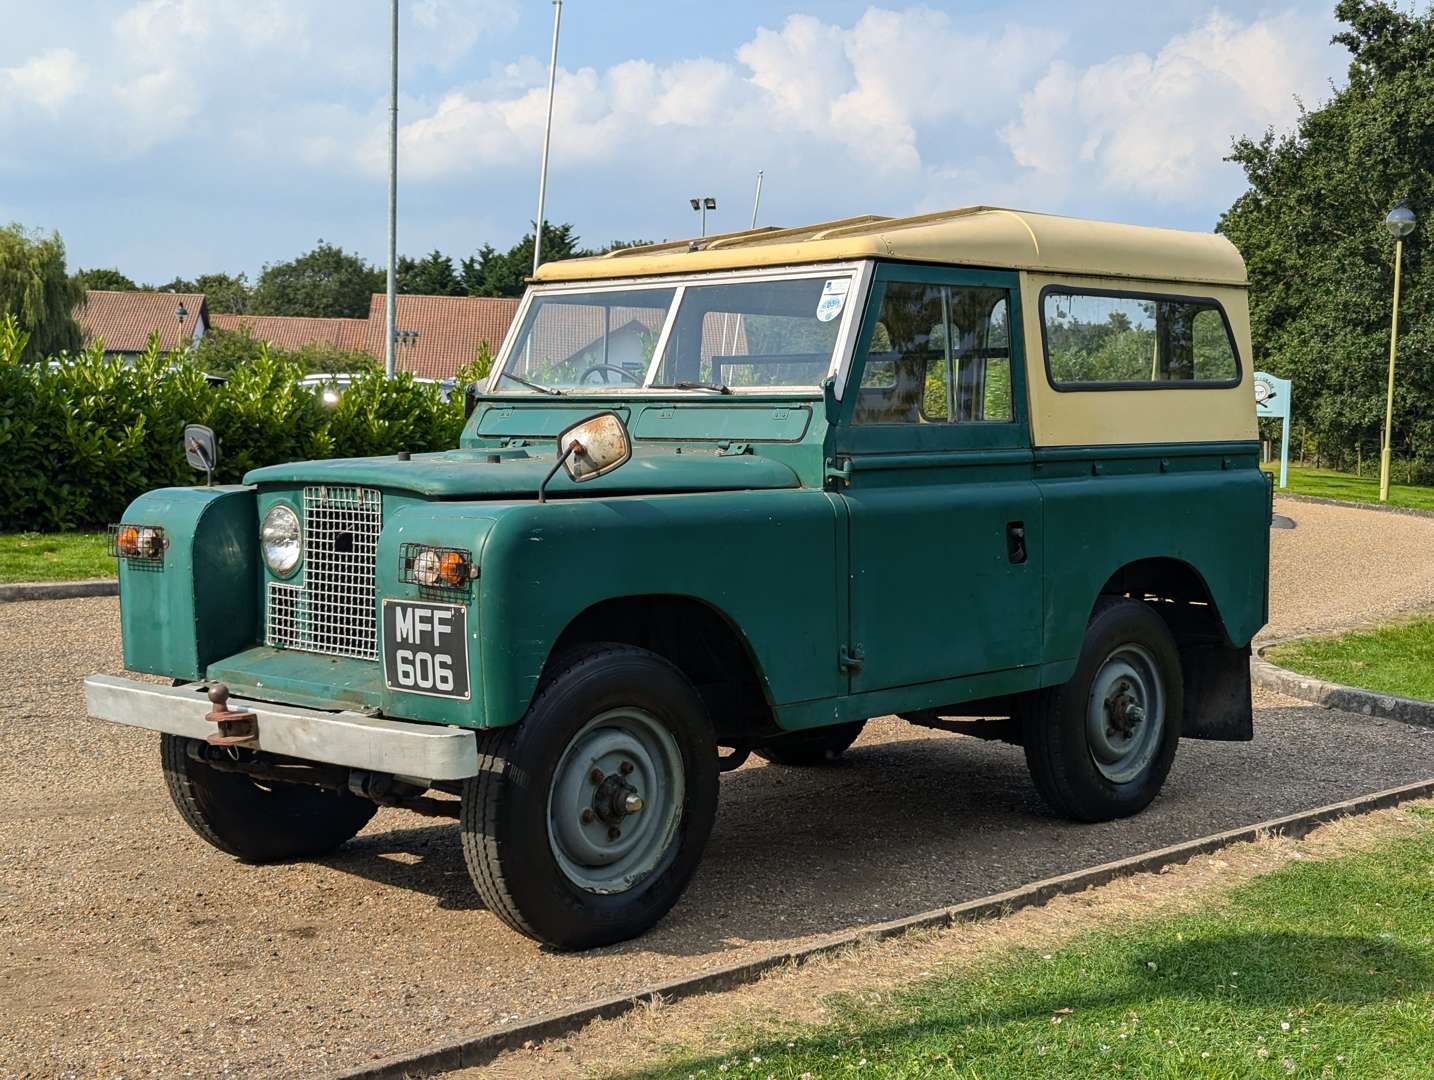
(444, 568)
(137, 542)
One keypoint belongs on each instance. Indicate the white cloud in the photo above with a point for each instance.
(1159, 126)
(50, 80)
(868, 89)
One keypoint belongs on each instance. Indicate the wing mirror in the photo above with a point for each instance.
(201, 450)
(590, 448)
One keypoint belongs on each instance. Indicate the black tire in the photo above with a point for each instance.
(1061, 750)
(511, 851)
(256, 823)
(819, 746)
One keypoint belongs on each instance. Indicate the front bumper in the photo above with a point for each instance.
(425, 751)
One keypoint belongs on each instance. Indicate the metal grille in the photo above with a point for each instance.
(334, 610)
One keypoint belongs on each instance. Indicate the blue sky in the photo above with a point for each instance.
(177, 137)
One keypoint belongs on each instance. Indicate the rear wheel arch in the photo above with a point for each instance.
(694, 636)
(1177, 591)
(1216, 669)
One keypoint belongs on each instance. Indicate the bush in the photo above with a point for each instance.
(82, 438)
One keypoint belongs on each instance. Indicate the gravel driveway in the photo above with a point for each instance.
(132, 948)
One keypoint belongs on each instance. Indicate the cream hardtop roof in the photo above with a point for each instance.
(985, 236)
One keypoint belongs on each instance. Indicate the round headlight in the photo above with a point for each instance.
(426, 567)
(280, 539)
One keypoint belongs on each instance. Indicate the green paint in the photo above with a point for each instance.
(813, 537)
(200, 605)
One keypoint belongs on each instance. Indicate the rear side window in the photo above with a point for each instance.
(1097, 340)
(940, 354)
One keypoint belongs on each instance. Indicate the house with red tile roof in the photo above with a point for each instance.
(438, 335)
(124, 320)
(290, 332)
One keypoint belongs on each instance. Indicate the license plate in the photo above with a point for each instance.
(425, 648)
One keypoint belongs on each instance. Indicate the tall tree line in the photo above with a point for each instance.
(1319, 259)
(331, 282)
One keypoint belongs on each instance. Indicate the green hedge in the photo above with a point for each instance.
(78, 441)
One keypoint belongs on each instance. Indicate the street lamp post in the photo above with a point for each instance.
(702, 205)
(180, 313)
(390, 291)
(1400, 224)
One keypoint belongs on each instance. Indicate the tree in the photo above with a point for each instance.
(38, 291)
(104, 279)
(326, 281)
(432, 275)
(1318, 257)
(502, 273)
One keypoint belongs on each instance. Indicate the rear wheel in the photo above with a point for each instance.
(1100, 746)
(258, 822)
(586, 820)
(819, 746)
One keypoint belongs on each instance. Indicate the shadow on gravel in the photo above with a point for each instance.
(908, 823)
(427, 860)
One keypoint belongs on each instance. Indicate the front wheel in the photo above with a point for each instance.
(253, 821)
(1100, 746)
(586, 820)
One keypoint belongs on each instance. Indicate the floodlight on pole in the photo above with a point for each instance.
(1400, 222)
(547, 137)
(702, 205)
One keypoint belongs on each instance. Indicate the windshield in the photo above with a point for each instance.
(724, 337)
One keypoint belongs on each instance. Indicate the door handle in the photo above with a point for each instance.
(1016, 542)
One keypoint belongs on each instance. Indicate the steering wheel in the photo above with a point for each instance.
(604, 369)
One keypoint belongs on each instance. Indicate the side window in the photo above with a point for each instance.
(939, 355)
(1096, 339)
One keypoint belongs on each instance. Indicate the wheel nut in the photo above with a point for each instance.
(625, 768)
(613, 832)
(632, 804)
(596, 776)
(588, 816)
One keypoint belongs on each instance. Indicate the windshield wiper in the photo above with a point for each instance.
(539, 387)
(716, 388)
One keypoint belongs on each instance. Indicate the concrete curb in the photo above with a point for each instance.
(482, 1047)
(1320, 500)
(56, 590)
(1334, 696)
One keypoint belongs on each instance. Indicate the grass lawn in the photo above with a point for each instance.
(1322, 968)
(1327, 484)
(54, 557)
(1393, 659)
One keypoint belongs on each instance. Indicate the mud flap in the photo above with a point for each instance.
(1217, 693)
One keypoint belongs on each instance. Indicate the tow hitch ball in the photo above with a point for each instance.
(236, 727)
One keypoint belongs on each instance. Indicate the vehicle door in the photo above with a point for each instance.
(933, 451)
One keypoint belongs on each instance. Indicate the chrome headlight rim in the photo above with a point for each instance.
(281, 528)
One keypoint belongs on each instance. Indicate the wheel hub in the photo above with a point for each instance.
(615, 801)
(1126, 713)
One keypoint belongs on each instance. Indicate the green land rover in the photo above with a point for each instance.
(993, 472)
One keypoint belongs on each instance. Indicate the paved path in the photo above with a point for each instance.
(130, 947)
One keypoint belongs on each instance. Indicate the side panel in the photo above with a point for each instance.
(765, 560)
(200, 605)
(1106, 507)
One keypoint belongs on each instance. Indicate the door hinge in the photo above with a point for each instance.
(839, 473)
(849, 659)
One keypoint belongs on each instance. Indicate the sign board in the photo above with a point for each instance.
(1272, 402)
